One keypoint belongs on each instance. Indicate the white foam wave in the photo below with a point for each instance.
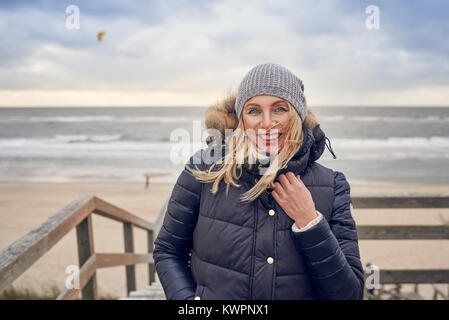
(68, 119)
(392, 142)
(92, 138)
(340, 118)
(112, 146)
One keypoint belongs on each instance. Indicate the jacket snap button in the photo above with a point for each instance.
(255, 180)
(259, 166)
(197, 298)
(270, 260)
(271, 212)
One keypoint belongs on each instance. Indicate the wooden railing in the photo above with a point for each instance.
(23, 253)
(406, 232)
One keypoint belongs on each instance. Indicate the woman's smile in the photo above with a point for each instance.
(269, 138)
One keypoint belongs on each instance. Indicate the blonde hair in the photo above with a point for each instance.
(239, 148)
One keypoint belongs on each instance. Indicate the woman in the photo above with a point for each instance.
(270, 224)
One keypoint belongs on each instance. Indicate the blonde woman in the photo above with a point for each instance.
(254, 216)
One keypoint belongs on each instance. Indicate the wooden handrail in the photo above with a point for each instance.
(20, 255)
(110, 211)
(403, 232)
(400, 202)
(103, 260)
(422, 276)
(24, 252)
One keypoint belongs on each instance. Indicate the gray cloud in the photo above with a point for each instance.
(186, 46)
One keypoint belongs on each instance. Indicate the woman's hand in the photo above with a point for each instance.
(294, 197)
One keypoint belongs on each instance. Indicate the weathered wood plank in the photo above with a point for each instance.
(85, 273)
(399, 202)
(110, 211)
(129, 247)
(106, 260)
(21, 254)
(413, 276)
(85, 240)
(413, 232)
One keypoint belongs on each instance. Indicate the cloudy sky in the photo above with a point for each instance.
(179, 52)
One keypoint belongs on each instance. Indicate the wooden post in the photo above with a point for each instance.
(151, 266)
(85, 250)
(129, 247)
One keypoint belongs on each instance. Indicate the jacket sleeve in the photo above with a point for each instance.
(174, 242)
(331, 249)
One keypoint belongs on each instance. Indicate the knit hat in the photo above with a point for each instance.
(275, 80)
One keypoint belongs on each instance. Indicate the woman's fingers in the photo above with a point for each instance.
(291, 177)
(288, 180)
(279, 190)
(275, 195)
(284, 181)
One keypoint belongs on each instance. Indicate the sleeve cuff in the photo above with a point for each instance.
(315, 221)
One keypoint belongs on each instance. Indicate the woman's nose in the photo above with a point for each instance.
(267, 121)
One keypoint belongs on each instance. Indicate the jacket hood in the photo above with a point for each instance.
(221, 116)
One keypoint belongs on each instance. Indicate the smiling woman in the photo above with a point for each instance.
(279, 230)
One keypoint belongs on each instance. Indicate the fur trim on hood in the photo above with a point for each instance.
(222, 116)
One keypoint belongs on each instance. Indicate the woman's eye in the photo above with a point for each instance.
(281, 108)
(253, 111)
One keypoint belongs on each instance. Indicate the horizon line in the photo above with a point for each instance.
(189, 106)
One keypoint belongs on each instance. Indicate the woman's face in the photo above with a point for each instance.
(268, 117)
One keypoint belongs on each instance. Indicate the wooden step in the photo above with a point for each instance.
(152, 292)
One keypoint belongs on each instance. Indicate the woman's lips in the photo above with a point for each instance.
(269, 138)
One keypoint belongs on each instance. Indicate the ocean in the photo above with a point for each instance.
(373, 145)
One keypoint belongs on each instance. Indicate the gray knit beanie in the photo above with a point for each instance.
(275, 80)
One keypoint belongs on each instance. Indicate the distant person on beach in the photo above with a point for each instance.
(272, 224)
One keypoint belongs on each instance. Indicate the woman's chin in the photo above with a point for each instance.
(269, 149)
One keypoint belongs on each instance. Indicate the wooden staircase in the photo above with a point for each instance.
(23, 253)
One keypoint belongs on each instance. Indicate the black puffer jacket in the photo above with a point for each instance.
(215, 247)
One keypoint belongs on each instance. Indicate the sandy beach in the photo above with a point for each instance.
(25, 205)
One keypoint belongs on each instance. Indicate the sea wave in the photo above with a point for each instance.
(393, 142)
(184, 119)
(114, 147)
(76, 119)
(92, 138)
(341, 118)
